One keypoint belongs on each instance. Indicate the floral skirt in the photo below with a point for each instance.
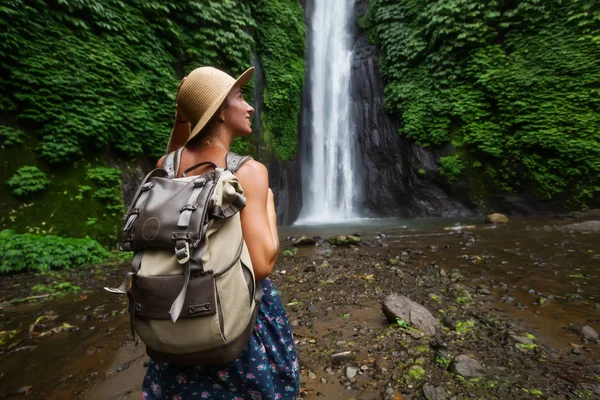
(267, 368)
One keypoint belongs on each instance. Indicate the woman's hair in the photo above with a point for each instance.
(207, 130)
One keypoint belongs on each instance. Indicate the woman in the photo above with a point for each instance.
(211, 103)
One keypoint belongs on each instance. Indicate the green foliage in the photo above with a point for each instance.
(112, 83)
(9, 137)
(451, 167)
(108, 192)
(400, 323)
(281, 47)
(29, 252)
(57, 288)
(27, 181)
(513, 86)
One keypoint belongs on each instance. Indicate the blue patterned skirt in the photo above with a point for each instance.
(267, 368)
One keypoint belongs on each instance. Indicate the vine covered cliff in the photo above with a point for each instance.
(87, 96)
(511, 88)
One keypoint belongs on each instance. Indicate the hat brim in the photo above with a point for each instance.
(174, 143)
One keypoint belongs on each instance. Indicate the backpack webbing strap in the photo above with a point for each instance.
(235, 161)
(192, 203)
(182, 253)
(171, 162)
(135, 268)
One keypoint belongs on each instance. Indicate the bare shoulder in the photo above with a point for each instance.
(253, 173)
(252, 168)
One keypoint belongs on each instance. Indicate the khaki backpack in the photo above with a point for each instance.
(193, 297)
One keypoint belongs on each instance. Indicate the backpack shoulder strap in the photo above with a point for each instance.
(235, 161)
(171, 162)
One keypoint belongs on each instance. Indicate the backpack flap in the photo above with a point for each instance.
(154, 295)
(167, 211)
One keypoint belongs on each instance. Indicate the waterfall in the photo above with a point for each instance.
(329, 183)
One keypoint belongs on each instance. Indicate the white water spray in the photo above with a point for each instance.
(329, 181)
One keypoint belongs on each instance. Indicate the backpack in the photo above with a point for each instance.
(193, 297)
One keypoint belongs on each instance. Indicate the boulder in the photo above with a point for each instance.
(467, 367)
(434, 392)
(589, 333)
(496, 219)
(395, 306)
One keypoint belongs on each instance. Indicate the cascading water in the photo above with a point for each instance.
(329, 182)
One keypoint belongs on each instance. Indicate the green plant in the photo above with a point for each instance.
(27, 181)
(9, 137)
(401, 324)
(451, 167)
(108, 181)
(29, 252)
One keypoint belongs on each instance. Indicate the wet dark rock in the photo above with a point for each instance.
(343, 357)
(395, 306)
(467, 367)
(434, 392)
(305, 241)
(436, 344)
(450, 322)
(577, 351)
(310, 268)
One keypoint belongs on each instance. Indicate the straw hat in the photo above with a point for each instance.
(202, 93)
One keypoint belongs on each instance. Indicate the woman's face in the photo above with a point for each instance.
(237, 113)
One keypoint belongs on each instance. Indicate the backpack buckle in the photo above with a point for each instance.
(183, 254)
(147, 186)
(190, 207)
(199, 182)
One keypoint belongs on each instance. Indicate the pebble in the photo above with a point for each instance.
(312, 376)
(122, 367)
(351, 372)
(323, 380)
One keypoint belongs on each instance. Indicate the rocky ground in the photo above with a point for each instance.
(441, 335)
(449, 344)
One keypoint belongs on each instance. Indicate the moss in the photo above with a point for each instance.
(528, 346)
(533, 392)
(416, 372)
(464, 326)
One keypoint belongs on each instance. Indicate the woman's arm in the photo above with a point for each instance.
(258, 218)
(181, 133)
